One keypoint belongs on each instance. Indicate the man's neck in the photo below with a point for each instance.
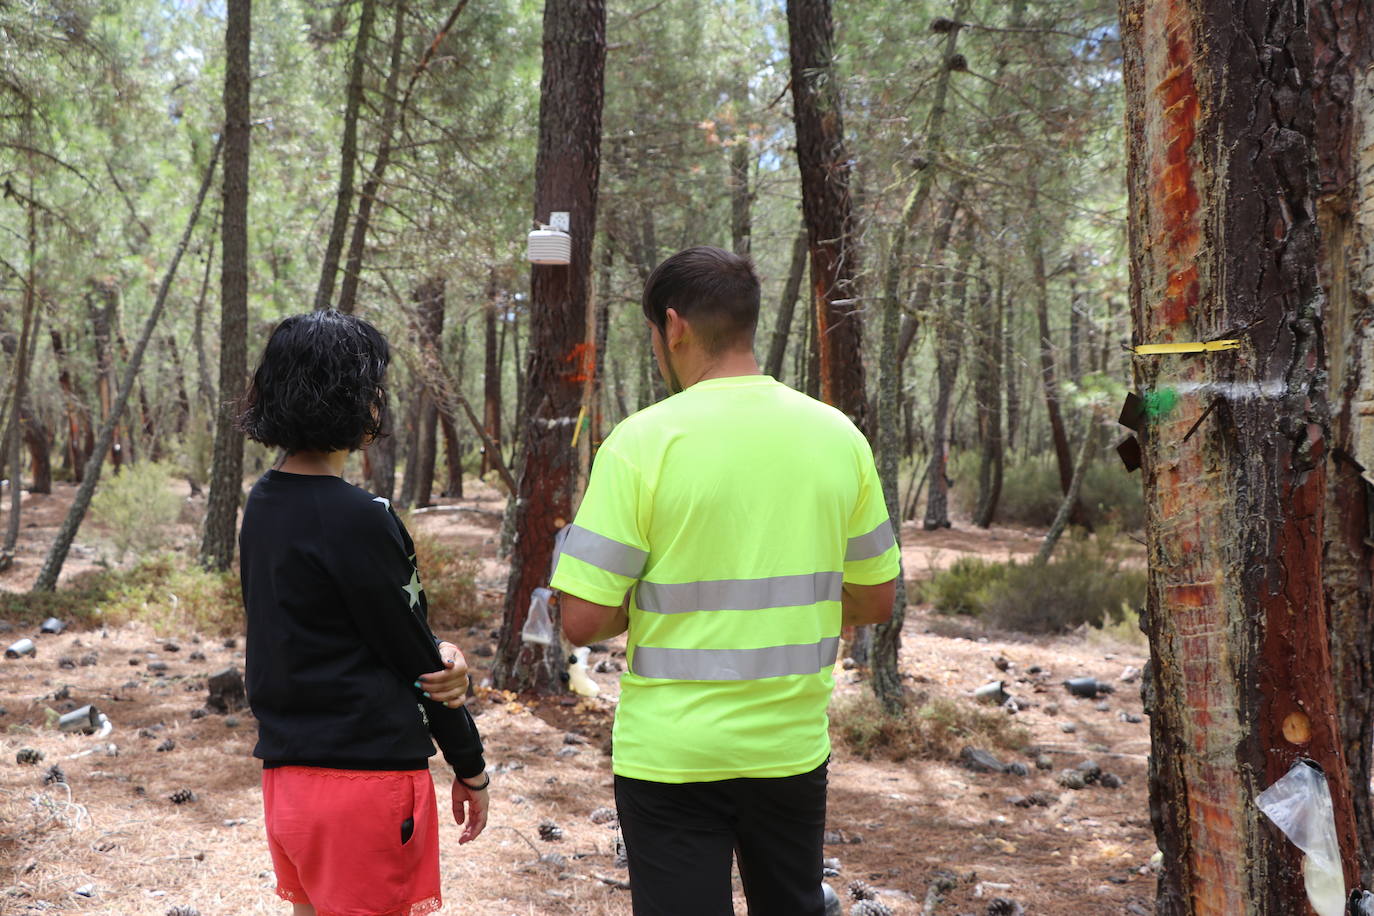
(726, 365)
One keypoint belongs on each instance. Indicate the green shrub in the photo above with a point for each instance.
(934, 728)
(172, 594)
(1086, 582)
(164, 590)
(136, 508)
(449, 574)
(1031, 494)
(963, 587)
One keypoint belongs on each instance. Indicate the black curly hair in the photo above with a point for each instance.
(319, 384)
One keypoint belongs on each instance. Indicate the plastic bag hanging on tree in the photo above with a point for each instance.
(538, 625)
(1299, 804)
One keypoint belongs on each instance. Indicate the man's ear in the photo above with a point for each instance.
(675, 328)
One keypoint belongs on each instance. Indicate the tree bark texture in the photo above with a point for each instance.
(826, 168)
(101, 304)
(1223, 242)
(226, 467)
(39, 444)
(1344, 100)
(567, 166)
(786, 307)
(429, 313)
(348, 159)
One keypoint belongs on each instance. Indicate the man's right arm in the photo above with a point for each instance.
(865, 604)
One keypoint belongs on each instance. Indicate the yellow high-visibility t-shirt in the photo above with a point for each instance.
(735, 510)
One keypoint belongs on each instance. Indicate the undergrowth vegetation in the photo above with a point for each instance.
(933, 728)
(166, 591)
(449, 575)
(135, 509)
(1088, 581)
(1031, 493)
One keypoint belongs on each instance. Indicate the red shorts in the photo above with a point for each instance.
(336, 838)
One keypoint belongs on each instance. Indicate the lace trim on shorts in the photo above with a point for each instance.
(419, 908)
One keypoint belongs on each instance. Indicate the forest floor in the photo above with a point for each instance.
(110, 839)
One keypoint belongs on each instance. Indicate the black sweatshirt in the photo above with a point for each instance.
(338, 633)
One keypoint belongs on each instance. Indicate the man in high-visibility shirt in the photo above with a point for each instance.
(744, 522)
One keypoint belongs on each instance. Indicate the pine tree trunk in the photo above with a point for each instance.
(788, 304)
(226, 468)
(988, 394)
(491, 371)
(39, 444)
(183, 405)
(100, 304)
(825, 168)
(380, 456)
(1344, 94)
(948, 349)
(741, 197)
(1223, 243)
(567, 166)
(348, 160)
(80, 437)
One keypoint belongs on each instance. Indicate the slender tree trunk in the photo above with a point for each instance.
(1223, 242)
(988, 394)
(57, 553)
(226, 468)
(80, 438)
(429, 306)
(914, 207)
(491, 369)
(22, 359)
(348, 159)
(1010, 364)
(39, 444)
(741, 195)
(567, 167)
(948, 349)
(380, 456)
(791, 289)
(205, 388)
(353, 267)
(1344, 94)
(825, 168)
(1061, 518)
(101, 306)
(183, 405)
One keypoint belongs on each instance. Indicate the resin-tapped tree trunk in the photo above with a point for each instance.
(226, 471)
(567, 166)
(1344, 96)
(825, 167)
(1223, 241)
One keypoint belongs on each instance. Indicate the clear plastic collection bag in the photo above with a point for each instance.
(538, 624)
(1299, 804)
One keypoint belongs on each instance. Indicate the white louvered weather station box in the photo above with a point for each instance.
(551, 244)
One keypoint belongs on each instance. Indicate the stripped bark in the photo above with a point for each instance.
(1223, 243)
(567, 167)
(1344, 97)
(825, 168)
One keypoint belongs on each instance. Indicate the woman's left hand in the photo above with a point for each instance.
(449, 686)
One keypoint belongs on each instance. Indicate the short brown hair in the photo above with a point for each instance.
(717, 292)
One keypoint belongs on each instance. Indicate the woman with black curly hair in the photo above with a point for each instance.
(348, 684)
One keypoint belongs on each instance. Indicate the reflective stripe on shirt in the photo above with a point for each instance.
(873, 544)
(739, 594)
(734, 664)
(603, 552)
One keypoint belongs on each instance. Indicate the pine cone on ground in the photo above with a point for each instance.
(183, 911)
(53, 775)
(182, 796)
(549, 831)
(870, 908)
(28, 756)
(861, 891)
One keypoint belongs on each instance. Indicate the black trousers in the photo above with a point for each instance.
(679, 839)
